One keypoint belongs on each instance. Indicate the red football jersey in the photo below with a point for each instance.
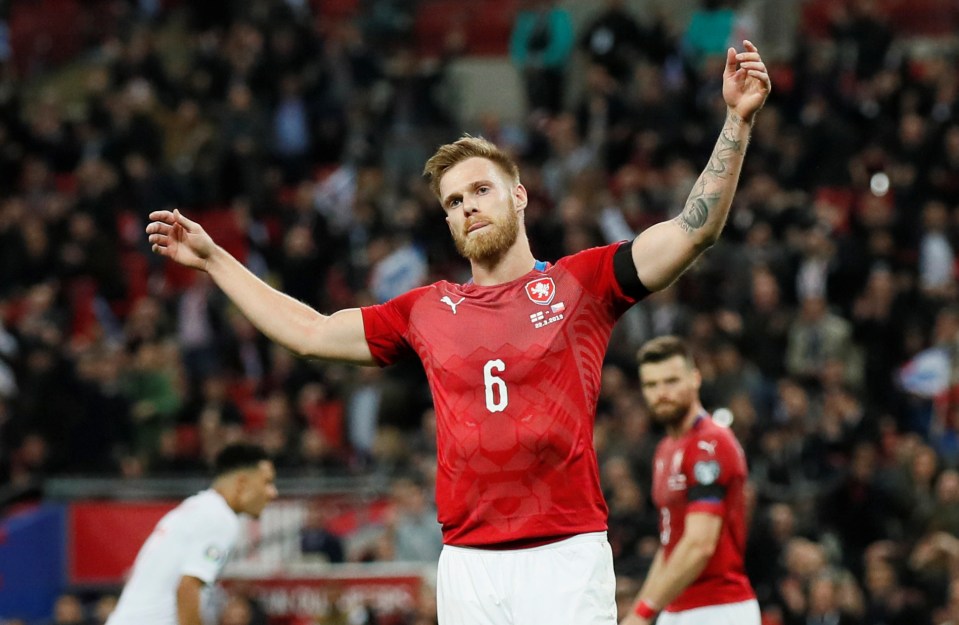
(514, 370)
(704, 470)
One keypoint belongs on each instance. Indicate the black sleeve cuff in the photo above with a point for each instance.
(625, 271)
(698, 492)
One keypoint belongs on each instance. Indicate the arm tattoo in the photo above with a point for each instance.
(725, 147)
(705, 193)
(696, 213)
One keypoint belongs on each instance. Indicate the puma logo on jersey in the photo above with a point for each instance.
(709, 447)
(446, 300)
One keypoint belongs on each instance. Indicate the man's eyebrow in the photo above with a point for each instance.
(473, 185)
(452, 196)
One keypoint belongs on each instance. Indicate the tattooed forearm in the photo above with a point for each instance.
(708, 203)
(726, 147)
(696, 213)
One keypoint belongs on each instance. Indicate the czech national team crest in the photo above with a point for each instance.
(541, 291)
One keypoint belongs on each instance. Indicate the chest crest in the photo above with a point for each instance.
(676, 480)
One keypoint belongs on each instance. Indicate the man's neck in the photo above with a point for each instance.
(224, 490)
(516, 262)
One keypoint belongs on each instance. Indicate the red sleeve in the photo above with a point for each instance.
(593, 269)
(713, 464)
(387, 327)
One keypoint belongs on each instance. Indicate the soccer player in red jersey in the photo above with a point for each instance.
(513, 360)
(699, 472)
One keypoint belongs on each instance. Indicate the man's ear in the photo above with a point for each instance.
(520, 197)
(240, 481)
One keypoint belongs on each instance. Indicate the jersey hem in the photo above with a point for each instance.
(526, 541)
(693, 604)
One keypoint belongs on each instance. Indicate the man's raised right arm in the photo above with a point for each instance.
(285, 320)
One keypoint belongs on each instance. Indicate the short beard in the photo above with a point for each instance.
(491, 244)
(670, 419)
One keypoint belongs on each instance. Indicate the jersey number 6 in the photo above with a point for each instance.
(495, 386)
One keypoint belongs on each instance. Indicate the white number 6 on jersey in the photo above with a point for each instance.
(494, 404)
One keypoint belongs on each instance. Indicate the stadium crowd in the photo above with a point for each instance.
(826, 319)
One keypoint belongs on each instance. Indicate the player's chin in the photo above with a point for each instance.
(664, 410)
(667, 414)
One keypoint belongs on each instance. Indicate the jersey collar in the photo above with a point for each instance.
(539, 265)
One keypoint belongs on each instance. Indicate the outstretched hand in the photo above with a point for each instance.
(746, 83)
(174, 236)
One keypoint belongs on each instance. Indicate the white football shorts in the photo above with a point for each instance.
(740, 613)
(570, 582)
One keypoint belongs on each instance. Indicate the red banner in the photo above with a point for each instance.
(104, 538)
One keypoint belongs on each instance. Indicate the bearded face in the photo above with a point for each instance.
(669, 413)
(490, 243)
(483, 208)
(670, 388)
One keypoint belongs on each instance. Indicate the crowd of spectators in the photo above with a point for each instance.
(818, 320)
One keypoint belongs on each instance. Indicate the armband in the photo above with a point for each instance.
(645, 609)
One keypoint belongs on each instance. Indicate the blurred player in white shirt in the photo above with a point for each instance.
(191, 543)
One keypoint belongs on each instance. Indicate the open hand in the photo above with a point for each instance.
(174, 236)
(746, 83)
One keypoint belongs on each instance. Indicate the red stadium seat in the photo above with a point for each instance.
(83, 322)
(487, 25)
(187, 440)
(929, 18)
(44, 33)
(136, 270)
(254, 415)
(221, 224)
(65, 182)
(336, 9)
(489, 35)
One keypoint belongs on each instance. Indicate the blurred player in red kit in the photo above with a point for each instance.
(699, 473)
(513, 359)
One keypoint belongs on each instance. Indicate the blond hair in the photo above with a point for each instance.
(464, 148)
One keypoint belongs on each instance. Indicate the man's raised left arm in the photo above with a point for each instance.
(664, 251)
